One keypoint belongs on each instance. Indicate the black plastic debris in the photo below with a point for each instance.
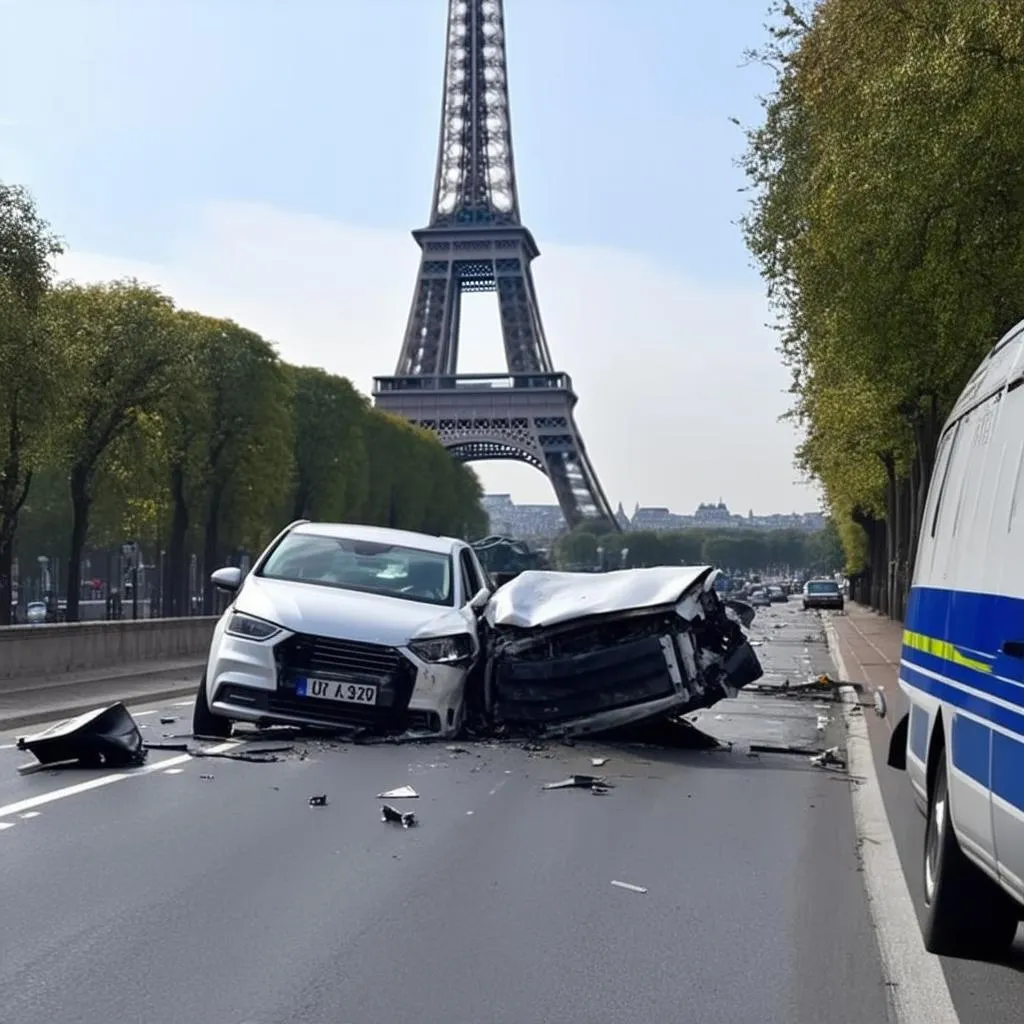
(168, 720)
(106, 738)
(318, 801)
(591, 782)
(394, 816)
(206, 778)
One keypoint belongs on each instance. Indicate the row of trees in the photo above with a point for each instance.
(740, 550)
(123, 417)
(888, 222)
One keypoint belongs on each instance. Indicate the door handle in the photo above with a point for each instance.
(1013, 648)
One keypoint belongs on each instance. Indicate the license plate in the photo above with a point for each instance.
(331, 689)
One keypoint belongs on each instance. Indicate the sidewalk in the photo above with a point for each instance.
(869, 645)
(28, 701)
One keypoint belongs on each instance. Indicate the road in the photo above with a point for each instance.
(166, 896)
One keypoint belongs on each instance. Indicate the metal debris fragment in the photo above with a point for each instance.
(830, 758)
(318, 801)
(206, 778)
(629, 886)
(880, 708)
(591, 782)
(401, 793)
(168, 720)
(598, 762)
(391, 814)
(457, 750)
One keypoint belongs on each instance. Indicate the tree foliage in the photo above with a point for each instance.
(888, 223)
(125, 419)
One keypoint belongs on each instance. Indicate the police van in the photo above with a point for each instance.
(962, 667)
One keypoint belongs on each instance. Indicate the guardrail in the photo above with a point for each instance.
(60, 648)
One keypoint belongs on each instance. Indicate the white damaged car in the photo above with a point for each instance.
(343, 626)
(363, 628)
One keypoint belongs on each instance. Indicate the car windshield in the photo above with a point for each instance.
(366, 566)
(822, 587)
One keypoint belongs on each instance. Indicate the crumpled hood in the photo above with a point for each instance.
(345, 614)
(535, 599)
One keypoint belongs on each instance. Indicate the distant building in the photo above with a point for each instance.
(542, 521)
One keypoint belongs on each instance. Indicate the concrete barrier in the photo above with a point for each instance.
(55, 650)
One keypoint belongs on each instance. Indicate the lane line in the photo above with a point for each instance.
(916, 982)
(29, 814)
(4, 825)
(104, 780)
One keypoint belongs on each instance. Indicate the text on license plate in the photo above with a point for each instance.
(331, 689)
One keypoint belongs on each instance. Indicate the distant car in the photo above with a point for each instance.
(777, 595)
(823, 594)
(346, 626)
(760, 598)
(35, 613)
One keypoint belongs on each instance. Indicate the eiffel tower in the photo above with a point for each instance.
(476, 242)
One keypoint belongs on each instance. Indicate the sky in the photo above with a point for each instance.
(267, 161)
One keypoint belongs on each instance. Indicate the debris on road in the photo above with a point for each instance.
(457, 750)
(629, 886)
(168, 720)
(401, 793)
(880, 708)
(318, 801)
(106, 738)
(830, 758)
(598, 762)
(206, 778)
(592, 782)
(391, 814)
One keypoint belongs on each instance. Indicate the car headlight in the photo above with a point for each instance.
(250, 628)
(444, 650)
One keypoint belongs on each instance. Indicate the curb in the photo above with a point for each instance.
(914, 978)
(10, 722)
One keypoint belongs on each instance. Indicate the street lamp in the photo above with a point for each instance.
(625, 556)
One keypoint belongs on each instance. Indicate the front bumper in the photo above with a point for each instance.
(824, 603)
(256, 682)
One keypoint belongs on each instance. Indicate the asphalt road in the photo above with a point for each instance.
(164, 896)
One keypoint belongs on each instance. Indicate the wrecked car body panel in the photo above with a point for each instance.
(585, 653)
(107, 737)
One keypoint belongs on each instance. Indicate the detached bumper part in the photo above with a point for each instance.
(105, 738)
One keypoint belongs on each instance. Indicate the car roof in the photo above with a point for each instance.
(382, 535)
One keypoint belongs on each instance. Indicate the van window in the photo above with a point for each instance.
(947, 448)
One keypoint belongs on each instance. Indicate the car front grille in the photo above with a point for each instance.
(305, 656)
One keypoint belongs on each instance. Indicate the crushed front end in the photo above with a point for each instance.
(601, 672)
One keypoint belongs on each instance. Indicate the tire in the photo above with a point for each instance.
(204, 721)
(966, 913)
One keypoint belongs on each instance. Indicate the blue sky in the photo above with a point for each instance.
(145, 127)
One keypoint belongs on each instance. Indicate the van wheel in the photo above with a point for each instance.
(204, 721)
(966, 912)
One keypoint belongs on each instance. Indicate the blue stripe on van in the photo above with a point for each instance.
(972, 621)
(970, 745)
(957, 698)
(1013, 693)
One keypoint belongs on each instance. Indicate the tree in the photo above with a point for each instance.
(27, 248)
(888, 222)
(117, 350)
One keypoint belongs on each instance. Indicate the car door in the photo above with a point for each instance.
(471, 582)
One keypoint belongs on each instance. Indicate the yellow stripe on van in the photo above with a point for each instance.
(944, 650)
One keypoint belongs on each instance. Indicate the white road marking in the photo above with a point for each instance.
(7, 746)
(29, 814)
(174, 771)
(915, 978)
(184, 703)
(629, 886)
(5, 825)
(139, 714)
(103, 780)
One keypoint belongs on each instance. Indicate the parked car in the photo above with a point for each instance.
(823, 594)
(364, 628)
(777, 595)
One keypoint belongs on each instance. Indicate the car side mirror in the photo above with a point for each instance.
(229, 578)
(479, 600)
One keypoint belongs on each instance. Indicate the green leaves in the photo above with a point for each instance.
(888, 222)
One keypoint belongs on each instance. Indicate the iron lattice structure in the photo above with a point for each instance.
(475, 241)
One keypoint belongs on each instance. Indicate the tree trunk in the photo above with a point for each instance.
(81, 505)
(211, 550)
(300, 506)
(175, 595)
(6, 581)
(891, 532)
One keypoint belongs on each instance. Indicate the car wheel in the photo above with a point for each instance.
(965, 911)
(204, 721)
